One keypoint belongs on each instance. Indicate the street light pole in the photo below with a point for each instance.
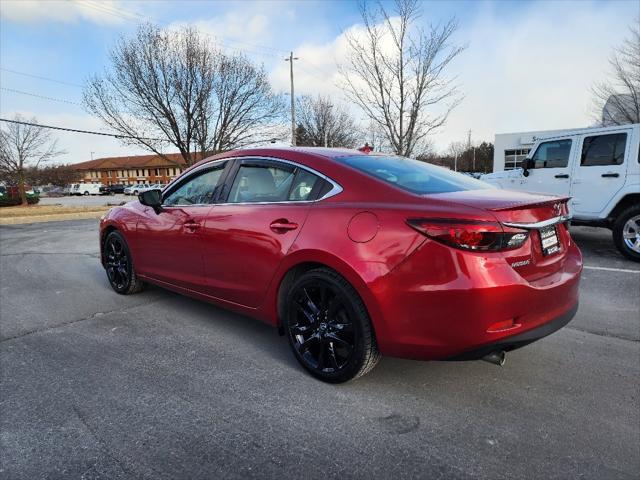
(293, 100)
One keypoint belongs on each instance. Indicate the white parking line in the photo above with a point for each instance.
(609, 269)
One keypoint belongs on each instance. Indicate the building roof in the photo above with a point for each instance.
(136, 161)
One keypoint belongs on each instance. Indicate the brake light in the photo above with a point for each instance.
(470, 235)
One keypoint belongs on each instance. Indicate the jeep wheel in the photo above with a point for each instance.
(626, 233)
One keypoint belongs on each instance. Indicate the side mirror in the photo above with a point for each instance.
(526, 165)
(152, 198)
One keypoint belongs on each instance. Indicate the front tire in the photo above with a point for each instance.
(119, 265)
(328, 327)
(626, 232)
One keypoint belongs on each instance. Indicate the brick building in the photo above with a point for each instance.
(132, 170)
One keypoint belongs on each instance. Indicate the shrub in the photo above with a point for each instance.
(6, 201)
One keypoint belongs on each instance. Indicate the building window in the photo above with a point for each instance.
(157, 172)
(513, 158)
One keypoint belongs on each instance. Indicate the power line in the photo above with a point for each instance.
(120, 13)
(76, 130)
(39, 96)
(127, 15)
(41, 77)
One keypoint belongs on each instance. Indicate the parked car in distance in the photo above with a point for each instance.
(56, 192)
(135, 189)
(116, 188)
(354, 255)
(599, 168)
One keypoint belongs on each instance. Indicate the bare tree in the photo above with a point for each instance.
(322, 123)
(395, 73)
(455, 151)
(173, 88)
(617, 100)
(242, 110)
(23, 147)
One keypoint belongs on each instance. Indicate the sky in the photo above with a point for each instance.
(526, 65)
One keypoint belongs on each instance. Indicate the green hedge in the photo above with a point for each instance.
(6, 201)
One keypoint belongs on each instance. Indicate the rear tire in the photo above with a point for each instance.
(328, 327)
(626, 232)
(119, 265)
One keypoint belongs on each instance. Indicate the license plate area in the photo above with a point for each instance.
(549, 240)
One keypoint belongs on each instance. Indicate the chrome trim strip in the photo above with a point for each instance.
(335, 190)
(538, 225)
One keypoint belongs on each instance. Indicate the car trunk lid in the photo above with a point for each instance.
(544, 217)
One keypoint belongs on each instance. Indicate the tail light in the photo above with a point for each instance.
(470, 235)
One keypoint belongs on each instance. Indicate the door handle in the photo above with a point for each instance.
(562, 175)
(191, 225)
(282, 225)
(610, 175)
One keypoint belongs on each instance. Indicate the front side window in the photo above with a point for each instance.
(196, 190)
(602, 150)
(413, 175)
(261, 183)
(554, 154)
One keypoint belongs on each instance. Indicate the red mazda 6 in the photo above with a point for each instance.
(353, 255)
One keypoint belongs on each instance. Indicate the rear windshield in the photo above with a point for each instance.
(413, 175)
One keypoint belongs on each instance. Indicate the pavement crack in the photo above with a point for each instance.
(78, 320)
(101, 443)
(598, 333)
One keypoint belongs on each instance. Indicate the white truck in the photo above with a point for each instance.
(599, 168)
(87, 189)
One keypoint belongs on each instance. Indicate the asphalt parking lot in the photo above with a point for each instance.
(155, 385)
(87, 201)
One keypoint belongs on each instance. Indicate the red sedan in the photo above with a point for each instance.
(353, 255)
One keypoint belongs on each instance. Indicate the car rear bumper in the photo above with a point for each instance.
(518, 341)
(443, 304)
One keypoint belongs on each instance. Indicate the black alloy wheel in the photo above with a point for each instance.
(329, 328)
(119, 266)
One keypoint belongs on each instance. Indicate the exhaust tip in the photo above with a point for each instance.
(497, 358)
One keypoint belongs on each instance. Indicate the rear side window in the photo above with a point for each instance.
(413, 175)
(303, 184)
(553, 154)
(602, 150)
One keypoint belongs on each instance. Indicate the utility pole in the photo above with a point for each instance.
(293, 100)
(474, 159)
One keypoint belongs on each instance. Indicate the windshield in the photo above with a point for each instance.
(413, 175)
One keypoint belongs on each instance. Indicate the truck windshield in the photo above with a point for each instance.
(413, 175)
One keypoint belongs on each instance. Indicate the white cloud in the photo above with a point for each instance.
(532, 72)
(34, 11)
(236, 27)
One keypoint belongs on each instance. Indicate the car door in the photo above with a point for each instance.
(247, 236)
(169, 243)
(601, 171)
(549, 167)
